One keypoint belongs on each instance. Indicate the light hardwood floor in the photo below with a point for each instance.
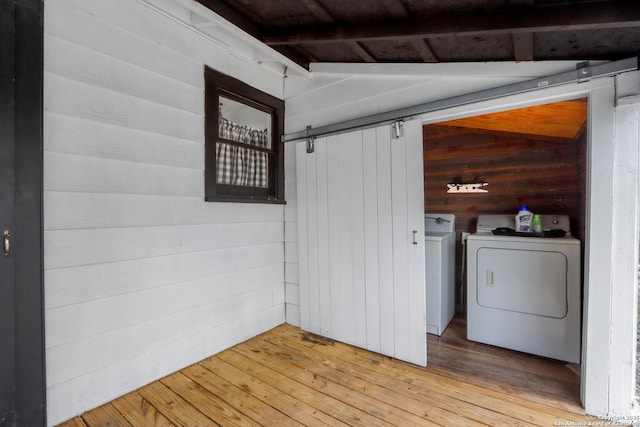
(289, 377)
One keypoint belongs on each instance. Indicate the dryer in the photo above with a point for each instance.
(524, 290)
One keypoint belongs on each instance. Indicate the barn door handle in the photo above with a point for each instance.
(7, 247)
(415, 237)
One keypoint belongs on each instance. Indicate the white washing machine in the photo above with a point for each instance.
(524, 292)
(440, 256)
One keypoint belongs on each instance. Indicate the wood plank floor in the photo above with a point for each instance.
(289, 377)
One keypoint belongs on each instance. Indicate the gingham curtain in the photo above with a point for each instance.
(239, 165)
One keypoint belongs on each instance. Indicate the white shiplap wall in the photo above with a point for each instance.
(142, 277)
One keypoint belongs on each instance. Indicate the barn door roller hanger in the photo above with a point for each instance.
(397, 129)
(311, 142)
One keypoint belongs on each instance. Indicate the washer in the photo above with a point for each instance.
(440, 253)
(524, 292)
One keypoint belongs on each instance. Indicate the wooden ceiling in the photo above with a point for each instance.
(432, 31)
(563, 120)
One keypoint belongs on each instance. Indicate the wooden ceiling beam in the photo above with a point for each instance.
(397, 10)
(523, 46)
(238, 19)
(519, 3)
(302, 52)
(318, 11)
(324, 16)
(522, 42)
(294, 54)
(424, 50)
(589, 16)
(361, 51)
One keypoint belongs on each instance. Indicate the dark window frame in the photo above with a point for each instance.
(221, 85)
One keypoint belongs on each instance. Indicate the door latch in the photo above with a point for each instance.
(7, 246)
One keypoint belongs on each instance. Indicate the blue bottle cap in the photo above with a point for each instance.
(524, 208)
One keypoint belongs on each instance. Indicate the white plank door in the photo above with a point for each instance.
(361, 240)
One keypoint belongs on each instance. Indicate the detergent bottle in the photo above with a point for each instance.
(524, 219)
(536, 225)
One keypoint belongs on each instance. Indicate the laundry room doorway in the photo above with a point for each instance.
(597, 199)
(533, 156)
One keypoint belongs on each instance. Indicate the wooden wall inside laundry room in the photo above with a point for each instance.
(546, 173)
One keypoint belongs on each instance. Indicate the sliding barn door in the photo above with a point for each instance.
(361, 240)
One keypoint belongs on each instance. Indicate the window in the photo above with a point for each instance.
(244, 159)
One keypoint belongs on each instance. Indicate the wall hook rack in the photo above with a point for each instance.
(469, 187)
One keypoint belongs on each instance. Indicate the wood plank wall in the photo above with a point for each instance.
(142, 276)
(547, 174)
